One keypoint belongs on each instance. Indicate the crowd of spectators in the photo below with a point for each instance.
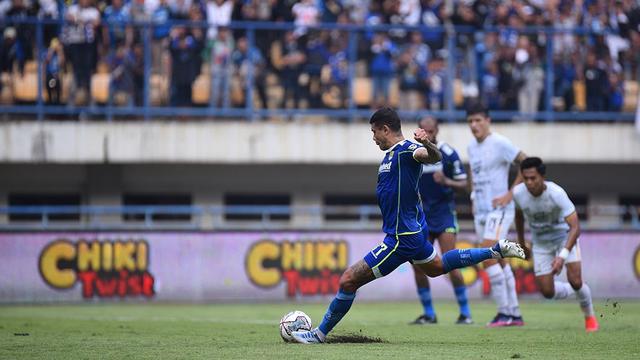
(497, 55)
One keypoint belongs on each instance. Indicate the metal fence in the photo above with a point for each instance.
(351, 110)
(245, 217)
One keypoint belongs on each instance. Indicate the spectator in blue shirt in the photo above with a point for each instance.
(381, 68)
(245, 56)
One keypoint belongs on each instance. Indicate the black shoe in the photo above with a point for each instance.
(516, 321)
(500, 320)
(464, 320)
(424, 319)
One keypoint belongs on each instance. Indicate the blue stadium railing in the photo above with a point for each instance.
(39, 109)
(246, 217)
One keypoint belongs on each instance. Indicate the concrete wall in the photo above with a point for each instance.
(287, 143)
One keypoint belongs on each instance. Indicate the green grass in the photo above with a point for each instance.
(554, 330)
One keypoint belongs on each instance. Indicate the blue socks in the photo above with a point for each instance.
(460, 258)
(425, 298)
(336, 311)
(461, 296)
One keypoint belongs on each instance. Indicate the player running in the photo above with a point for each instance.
(555, 229)
(490, 156)
(437, 186)
(402, 214)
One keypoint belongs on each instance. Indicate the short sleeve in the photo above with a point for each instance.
(563, 202)
(517, 195)
(508, 150)
(413, 148)
(457, 169)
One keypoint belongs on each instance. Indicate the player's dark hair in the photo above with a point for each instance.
(435, 120)
(386, 116)
(534, 162)
(477, 108)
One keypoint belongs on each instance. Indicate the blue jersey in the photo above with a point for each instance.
(435, 195)
(397, 190)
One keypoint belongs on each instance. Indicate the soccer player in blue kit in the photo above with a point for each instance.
(399, 201)
(437, 186)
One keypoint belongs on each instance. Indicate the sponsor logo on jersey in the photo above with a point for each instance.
(384, 167)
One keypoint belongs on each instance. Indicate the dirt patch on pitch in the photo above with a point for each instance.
(354, 338)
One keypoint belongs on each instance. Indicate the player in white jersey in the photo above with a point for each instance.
(490, 157)
(555, 229)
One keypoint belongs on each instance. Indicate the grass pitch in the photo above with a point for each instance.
(554, 330)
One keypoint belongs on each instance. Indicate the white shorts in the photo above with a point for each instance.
(543, 256)
(493, 225)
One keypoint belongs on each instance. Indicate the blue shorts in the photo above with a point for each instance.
(396, 250)
(442, 218)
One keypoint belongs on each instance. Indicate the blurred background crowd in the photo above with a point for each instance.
(200, 53)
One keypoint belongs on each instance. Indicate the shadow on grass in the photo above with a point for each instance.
(353, 338)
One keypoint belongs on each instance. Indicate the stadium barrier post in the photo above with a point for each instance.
(352, 54)
(451, 71)
(39, 44)
(250, 75)
(147, 69)
(548, 84)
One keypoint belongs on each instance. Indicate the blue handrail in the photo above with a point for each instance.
(89, 216)
(450, 113)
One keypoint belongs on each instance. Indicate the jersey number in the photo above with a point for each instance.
(382, 248)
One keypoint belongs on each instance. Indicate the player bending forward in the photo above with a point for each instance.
(555, 229)
(397, 191)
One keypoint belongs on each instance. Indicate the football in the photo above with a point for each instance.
(294, 321)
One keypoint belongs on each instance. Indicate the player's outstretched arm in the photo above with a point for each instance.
(506, 198)
(441, 178)
(430, 153)
(572, 238)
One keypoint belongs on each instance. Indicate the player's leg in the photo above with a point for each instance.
(379, 262)
(424, 290)
(460, 258)
(504, 219)
(486, 231)
(447, 241)
(497, 225)
(582, 290)
(549, 287)
(424, 294)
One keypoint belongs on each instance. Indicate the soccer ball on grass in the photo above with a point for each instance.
(294, 321)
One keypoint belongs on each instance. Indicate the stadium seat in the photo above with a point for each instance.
(6, 94)
(102, 68)
(30, 67)
(67, 80)
(362, 91)
(201, 89)
(394, 93)
(630, 96)
(25, 88)
(158, 89)
(580, 93)
(100, 87)
(458, 97)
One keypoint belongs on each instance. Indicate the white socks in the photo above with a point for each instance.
(498, 288)
(584, 297)
(562, 290)
(512, 294)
